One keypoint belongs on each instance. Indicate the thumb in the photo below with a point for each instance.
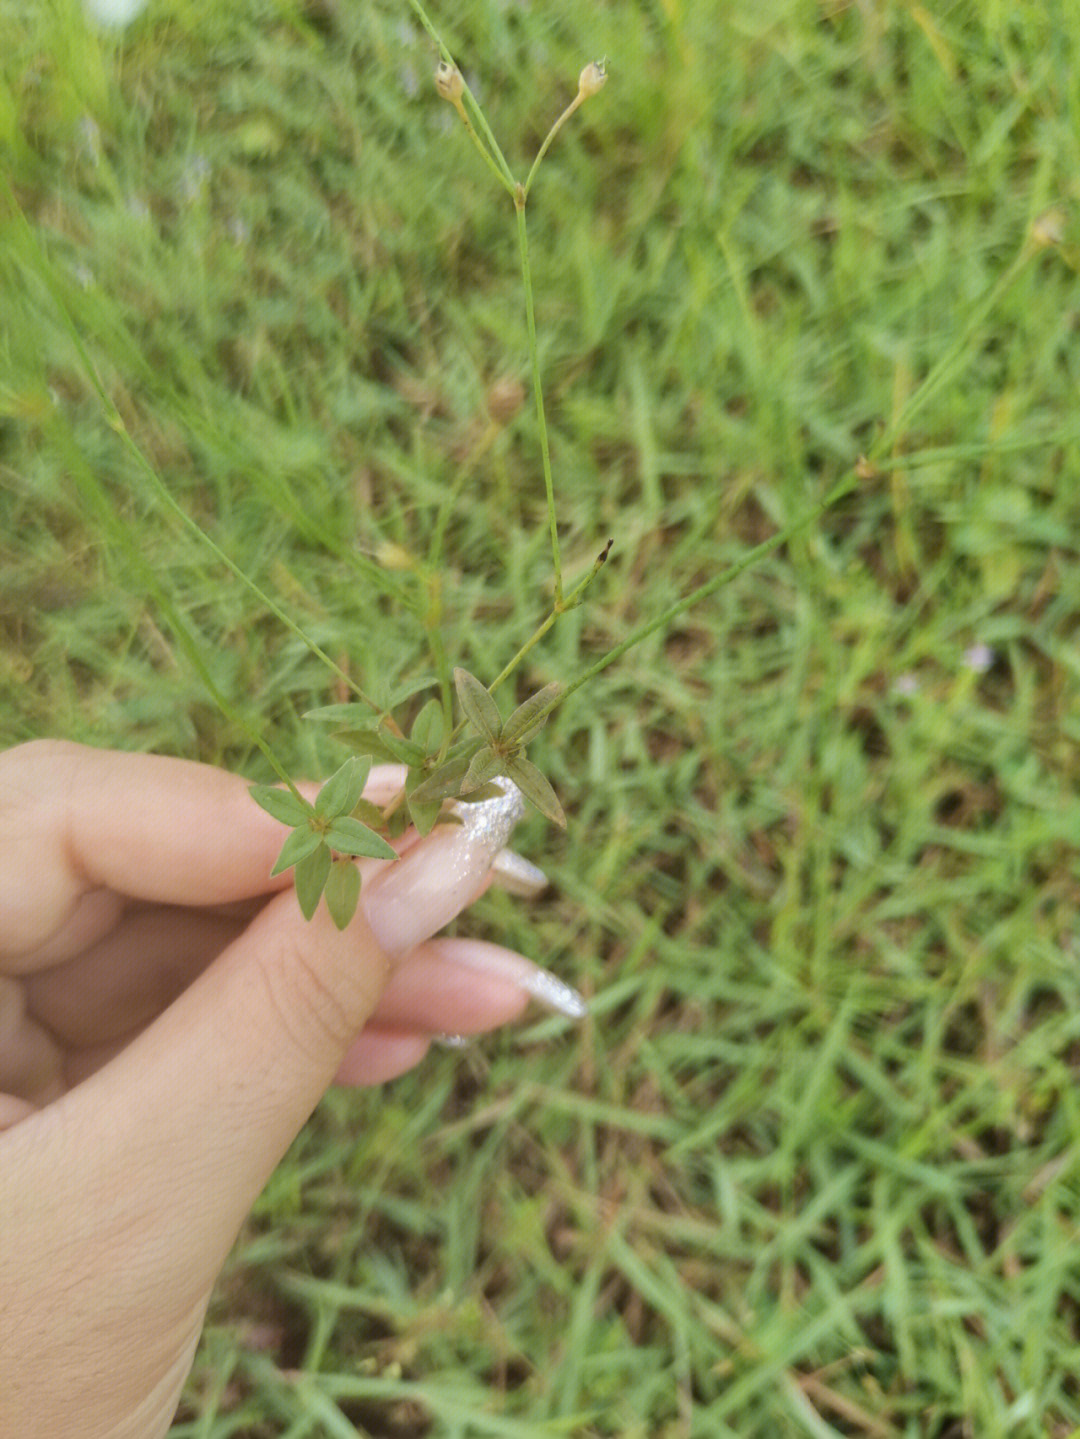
(122, 1199)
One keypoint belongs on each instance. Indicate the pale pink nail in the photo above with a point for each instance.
(540, 984)
(518, 875)
(413, 898)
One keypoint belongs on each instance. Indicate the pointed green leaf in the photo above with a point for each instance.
(349, 836)
(343, 789)
(492, 790)
(536, 789)
(403, 751)
(406, 691)
(477, 705)
(352, 713)
(342, 891)
(281, 803)
(442, 783)
(310, 878)
(302, 842)
(366, 741)
(485, 765)
(464, 748)
(424, 815)
(429, 728)
(529, 718)
(368, 813)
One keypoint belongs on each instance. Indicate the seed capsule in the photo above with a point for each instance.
(592, 79)
(448, 81)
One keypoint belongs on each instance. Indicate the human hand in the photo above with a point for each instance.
(168, 1021)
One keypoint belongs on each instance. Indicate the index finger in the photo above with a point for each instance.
(75, 821)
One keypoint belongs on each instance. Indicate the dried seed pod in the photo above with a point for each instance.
(448, 82)
(592, 79)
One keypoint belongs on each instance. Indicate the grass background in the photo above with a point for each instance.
(812, 1167)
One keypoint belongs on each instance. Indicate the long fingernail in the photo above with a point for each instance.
(517, 875)
(490, 959)
(413, 898)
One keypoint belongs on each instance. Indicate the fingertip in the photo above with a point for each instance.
(430, 991)
(379, 1055)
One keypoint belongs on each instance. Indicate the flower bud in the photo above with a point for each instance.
(448, 81)
(592, 79)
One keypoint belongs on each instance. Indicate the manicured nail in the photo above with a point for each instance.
(517, 875)
(540, 984)
(415, 897)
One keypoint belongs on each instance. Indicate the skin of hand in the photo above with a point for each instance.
(168, 1021)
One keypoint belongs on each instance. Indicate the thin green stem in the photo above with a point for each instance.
(534, 639)
(503, 169)
(534, 357)
(939, 372)
(559, 123)
(572, 599)
(703, 591)
(506, 180)
(577, 594)
(431, 583)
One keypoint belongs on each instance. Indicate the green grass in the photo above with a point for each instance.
(813, 1166)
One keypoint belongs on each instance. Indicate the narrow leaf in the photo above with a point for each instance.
(342, 891)
(485, 765)
(310, 878)
(424, 814)
(281, 803)
(477, 705)
(398, 822)
(401, 750)
(429, 728)
(351, 713)
(478, 796)
(302, 842)
(536, 789)
(464, 748)
(406, 691)
(442, 783)
(529, 718)
(366, 741)
(341, 792)
(349, 836)
(368, 813)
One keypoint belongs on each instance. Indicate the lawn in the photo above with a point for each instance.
(811, 1167)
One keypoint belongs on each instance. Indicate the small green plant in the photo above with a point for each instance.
(444, 762)
(447, 762)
